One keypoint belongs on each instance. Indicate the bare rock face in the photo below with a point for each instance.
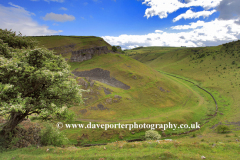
(103, 76)
(86, 54)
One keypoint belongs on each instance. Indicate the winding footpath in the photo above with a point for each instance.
(201, 89)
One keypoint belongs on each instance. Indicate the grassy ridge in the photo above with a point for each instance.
(80, 42)
(216, 68)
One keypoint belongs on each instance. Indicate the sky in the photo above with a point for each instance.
(128, 23)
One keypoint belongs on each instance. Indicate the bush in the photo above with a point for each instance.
(16, 41)
(222, 129)
(114, 48)
(152, 135)
(52, 136)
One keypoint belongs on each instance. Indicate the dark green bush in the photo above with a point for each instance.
(114, 48)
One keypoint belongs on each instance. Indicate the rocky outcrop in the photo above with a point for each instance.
(86, 54)
(103, 76)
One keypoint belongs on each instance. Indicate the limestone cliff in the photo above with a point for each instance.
(86, 54)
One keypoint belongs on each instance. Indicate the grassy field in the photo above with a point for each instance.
(135, 150)
(215, 69)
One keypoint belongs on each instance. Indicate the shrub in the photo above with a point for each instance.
(114, 48)
(152, 135)
(52, 136)
(222, 129)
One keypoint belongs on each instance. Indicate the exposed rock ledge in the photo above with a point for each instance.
(86, 54)
(103, 76)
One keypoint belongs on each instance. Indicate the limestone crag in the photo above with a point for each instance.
(86, 54)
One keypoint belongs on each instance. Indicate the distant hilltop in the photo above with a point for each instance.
(86, 54)
(75, 48)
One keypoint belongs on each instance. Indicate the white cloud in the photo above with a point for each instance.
(63, 8)
(162, 8)
(14, 5)
(191, 26)
(18, 19)
(190, 15)
(211, 33)
(158, 31)
(58, 17)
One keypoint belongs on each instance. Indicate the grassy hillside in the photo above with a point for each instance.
(62, 43)
(152, 98)
(216, 68)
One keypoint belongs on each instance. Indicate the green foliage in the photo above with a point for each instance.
(222, 129)
(34, 81)
(114, 48)
(152, 135)
(66, 115)
(52, 136)
(16, 41)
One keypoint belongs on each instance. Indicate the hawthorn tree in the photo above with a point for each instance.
(33, 80)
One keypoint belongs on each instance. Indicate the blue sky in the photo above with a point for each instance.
(128, 23)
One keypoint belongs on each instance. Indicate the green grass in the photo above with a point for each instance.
(208, 71)
(142, 103)
(215, 69)
(134, 150)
